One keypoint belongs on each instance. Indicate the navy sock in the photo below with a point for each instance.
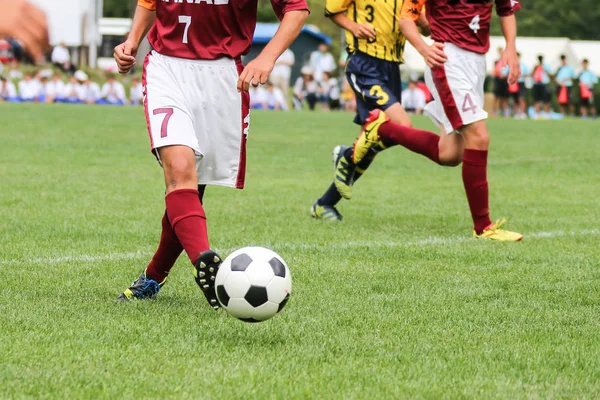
(331, 197)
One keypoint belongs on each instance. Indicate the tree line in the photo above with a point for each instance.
(575, 19)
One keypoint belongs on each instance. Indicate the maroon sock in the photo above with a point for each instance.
(169, 249)
(188, 220)
(474, 173)
(423, 142)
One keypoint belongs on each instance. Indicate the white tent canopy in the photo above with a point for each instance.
(590, 50)
(530, 48)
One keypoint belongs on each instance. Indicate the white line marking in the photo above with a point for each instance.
(430, 241)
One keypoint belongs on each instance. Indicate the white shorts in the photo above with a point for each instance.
(195, 103)
(457, 89)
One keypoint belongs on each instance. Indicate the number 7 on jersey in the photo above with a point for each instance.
(187, 20)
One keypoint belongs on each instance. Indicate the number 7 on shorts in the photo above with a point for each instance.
(168, 114)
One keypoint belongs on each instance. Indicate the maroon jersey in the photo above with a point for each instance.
(465, 23)
(208, 29)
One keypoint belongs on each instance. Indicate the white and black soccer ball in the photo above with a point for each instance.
(253, 284)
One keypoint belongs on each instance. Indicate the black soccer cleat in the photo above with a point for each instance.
(205, 272)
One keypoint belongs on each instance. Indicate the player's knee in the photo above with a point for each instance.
(478, 137)
(179, 169)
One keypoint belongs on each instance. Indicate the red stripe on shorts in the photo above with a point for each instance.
(245, 111)
(144, 84)
(450, 108)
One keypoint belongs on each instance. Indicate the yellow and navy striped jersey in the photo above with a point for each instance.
(383, 16)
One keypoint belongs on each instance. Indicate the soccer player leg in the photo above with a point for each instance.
(174, 142)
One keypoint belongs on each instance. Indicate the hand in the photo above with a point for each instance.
(256, 73)
(434, 55)
(510, 58)
(26, 23)
(125, 56)
(363, 31)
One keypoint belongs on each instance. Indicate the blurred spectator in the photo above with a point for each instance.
(587, 80)
(329, 92)
(564, 80)
(541, 94)
(275, 98)
(280, 76)
(500, 106)
(136, 92)
(343, 60)
(112, 92)
(8, 91)
(55, 89)
(62, 59)
(258, 98)
(76, 91)
(321, 61)
(92, 92)
(30, 89)
(305, 89)
(518, 92)
(413, 98)
(348, 97)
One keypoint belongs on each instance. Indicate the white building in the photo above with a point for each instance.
(75, 22)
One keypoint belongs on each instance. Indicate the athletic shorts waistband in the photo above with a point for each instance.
(218, 61)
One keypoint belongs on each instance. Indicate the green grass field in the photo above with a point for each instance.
(394, 302)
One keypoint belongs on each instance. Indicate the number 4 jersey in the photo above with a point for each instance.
(464, 23)
(208, 29)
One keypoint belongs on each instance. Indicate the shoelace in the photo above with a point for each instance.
(496, 226)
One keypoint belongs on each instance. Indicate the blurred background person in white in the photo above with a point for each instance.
(55, 89)
(413, 98)
(136, 92)
(321, 61)
(76, 91)
(113, 92)
(62, 58)
(8, 91)
(30, 89)
(587, 81)
(275, 98)
(329, 93)
(258, 98)
(92, 91)
(305, 89)
(280, 76)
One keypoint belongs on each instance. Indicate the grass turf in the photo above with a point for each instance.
(394, 302)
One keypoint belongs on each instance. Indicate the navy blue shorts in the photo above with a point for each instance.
(376, 82)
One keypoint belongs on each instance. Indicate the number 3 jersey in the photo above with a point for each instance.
(464, 23)
(388, 43)
(208, 29)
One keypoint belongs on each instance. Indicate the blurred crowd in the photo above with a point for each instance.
(543, 92)
(48, 86)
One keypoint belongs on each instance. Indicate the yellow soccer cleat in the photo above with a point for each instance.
(325, 213)
(369, 135)
(493, 232)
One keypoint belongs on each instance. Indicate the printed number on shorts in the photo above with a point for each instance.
(468, 104)
(474, 24)
(168, 114)
(378, 92)
(187, 20)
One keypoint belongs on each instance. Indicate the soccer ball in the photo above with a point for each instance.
(253, 284)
